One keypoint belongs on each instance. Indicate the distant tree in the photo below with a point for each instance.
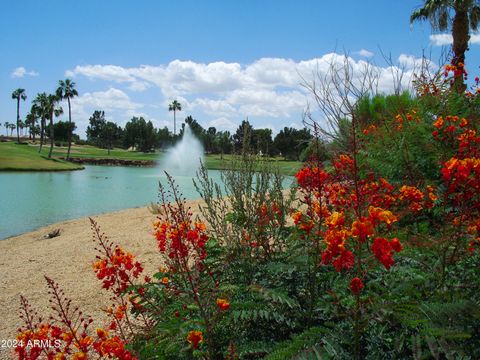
(18, 95)
(31, 121)
(21, 125)
(140, 134)
(7, 126)
(12, 127)
(66, 90)
(111, 132)
(461, 15)
(164, 138)
(262, 142)
(96, 124)
(63, 130)
(225, 143)
(41, 108)
(52, 110)
(175, 106)
(210, 142)
(291, 142)
(242, 137)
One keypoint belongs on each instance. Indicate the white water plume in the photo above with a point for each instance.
(185, 157)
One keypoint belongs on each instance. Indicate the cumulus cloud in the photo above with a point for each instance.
(364, 53)
(20, 72)
(447, 39)
(441, 39)
(112, 99)
(221, 94)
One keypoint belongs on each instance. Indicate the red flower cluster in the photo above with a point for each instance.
(448, 128)
(111, 347)
(182, 241)
(416, 199)
(67, 339)
(116, 269)
(356, 285)
(195, 338)
(223, 304)
(383, 250)
(457, 70)
(311, 177)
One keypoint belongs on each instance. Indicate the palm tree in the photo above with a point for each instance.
(52, 111)
(41, 108)
(7, 126)
(466, 16)
(18, 95)
(31, 120)
(174, 106)
(12, 127)
(66, 90)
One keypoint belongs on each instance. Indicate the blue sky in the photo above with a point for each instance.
(223, 60)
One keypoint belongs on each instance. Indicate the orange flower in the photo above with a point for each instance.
(439, 123)
(297, 216)
(194, 338)
(79, 356)
(165, 280)
(379, 214)
(335, 219)
(223, 304)
(362, 229)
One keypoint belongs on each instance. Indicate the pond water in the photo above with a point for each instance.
(29, 200)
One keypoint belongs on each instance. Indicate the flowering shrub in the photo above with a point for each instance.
(66, 334)
(375, 264)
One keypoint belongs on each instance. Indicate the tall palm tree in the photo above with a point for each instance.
(18, 95)
(66, 90)
(175, 106)
(52, 110)
(461, 16)
(41, 108)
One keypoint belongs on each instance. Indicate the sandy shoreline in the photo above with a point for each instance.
(25, 259)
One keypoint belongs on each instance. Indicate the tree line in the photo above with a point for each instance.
(141, 135)
(45, 107)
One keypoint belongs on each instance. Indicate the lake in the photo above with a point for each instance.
(29, 200)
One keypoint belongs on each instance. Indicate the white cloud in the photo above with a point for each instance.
(20, 72)
(447, 39)
(365, 53)
(475, 38)
(441, 39)
(221, 94)
(223, 124)
(105, 72)
(112, 99)
(213, 107)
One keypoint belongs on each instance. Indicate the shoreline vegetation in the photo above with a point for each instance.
(25, 157)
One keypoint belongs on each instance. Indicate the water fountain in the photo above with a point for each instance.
(185, 157)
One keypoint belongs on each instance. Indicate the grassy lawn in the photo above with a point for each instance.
(88, 151)
(26, 157)
(215, 162)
